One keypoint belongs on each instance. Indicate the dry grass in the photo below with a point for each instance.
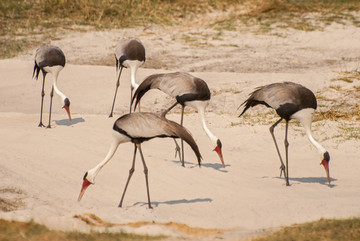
(31, 231)
(93, 220)
(26, 23)
(324, 229)
(11, 199)
(305, 15)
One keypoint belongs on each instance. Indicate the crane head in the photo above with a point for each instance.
(67, 107)
(85, 185)
(325, 163)
(219, 151)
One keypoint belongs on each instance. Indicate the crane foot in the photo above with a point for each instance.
(282, 170)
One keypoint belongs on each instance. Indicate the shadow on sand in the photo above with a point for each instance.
(320, 180)
(173, 202)
(216, 166)
(66, 122)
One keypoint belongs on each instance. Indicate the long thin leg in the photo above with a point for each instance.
(116, 89)
(163, 114)
(146, 175)
(51, 97)
(42, 100)
(177, 149)
(282, 167)
(182, 141)
(131, 171)
(287, 154)
(131, 94)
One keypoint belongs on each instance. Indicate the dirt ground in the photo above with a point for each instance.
(42, 169)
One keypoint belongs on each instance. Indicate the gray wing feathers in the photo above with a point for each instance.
(173, 84)
(279, 95)
(48, 55)
(144, 125)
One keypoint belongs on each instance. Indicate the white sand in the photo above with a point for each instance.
(46, 166)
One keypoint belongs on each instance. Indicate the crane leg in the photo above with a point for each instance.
(287, 153)
(131, 171)
(116, 89)
(282, 167)
(131, 94)
(163, 114)
(182, 141)
(51, 97)
(146, 175)
(177, 149)
(42, 100)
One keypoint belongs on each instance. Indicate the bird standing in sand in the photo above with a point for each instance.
(137, 128)
(188, 91)
(129, 53)
(290, 101)
(50, 59)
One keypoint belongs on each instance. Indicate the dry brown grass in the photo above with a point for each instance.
(31, 231)
(11, 199)
(26, 23)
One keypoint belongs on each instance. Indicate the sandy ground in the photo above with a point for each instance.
(41, 169)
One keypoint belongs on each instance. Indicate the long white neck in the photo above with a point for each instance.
(57, 91)
(92, 173)
(305, 117)
(201, 111)
(133, 65)
(133, 78)
(318, 146)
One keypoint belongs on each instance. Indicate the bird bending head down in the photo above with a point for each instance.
(219, 151)
(137, 128)
(325, 162)
(67, 107)
(290, 101)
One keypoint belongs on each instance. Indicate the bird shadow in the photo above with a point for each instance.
(216, 166)
(320, 180)
(174, 202)
(66, 122)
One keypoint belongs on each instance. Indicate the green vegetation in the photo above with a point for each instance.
(31, 231)
(25, 23)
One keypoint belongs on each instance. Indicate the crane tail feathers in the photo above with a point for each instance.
(247, 103)
(36, 71)
(183, 133)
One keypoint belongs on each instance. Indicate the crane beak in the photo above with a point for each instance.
(219, 152)
(85, 185)
(67, 108)
(325, 163)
